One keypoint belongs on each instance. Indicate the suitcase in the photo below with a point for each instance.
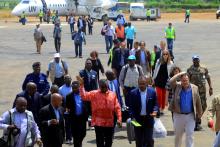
(130, 131)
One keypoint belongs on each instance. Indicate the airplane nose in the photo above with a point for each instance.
(15, 11)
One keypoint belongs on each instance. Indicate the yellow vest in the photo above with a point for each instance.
(148, 12)
(188, 12)
(23, 15)
(41, 14)
(170, 33)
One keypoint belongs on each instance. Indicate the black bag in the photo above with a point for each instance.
(102, 32)
(44, 39)
(3, 143)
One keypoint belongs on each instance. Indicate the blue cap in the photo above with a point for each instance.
(131, 57)
(195, 57)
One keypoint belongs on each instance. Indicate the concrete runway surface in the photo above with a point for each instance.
(17, 53)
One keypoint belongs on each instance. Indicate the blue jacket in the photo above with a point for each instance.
(40, 80)
(118, 93)
(89, 83)
(135, 105)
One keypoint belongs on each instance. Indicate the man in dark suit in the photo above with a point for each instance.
(114, 86)
(89, 76)
(120, 56)
(143, 108)
(143, 58)
(33, 98)
(78, 114)
(91, 81)
(47, 98)
(51, 123)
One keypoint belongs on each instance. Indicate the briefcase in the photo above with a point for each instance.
(130, 131)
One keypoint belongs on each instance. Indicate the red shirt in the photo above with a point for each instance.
(104, 106)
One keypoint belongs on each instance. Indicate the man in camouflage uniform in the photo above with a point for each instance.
(198, 75)
(214, 110)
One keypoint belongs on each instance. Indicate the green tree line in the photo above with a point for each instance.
(179, 4)
(175, 1)
(8, 4)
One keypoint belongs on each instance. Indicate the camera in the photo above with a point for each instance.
(15, 131)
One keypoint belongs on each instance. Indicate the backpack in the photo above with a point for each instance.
(126, 69)
(78, 38)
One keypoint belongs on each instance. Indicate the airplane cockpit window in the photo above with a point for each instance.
(25, 2)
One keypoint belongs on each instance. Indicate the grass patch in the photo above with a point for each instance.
(5, 13)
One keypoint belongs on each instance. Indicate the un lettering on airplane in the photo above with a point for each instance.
(32, 8)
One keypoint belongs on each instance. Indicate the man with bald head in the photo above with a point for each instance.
(33, 99)
(52, 123)
(47, 98)
(22, 127)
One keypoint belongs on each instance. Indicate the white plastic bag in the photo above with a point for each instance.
(159, 129)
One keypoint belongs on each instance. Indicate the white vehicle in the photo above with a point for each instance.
(137, 11)
(111, 13)
(136, 6)
(101, 14)
(64, 7)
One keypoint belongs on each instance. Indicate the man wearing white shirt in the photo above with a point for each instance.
(19, 126)
(71, 21)
(109, 31)
(64, 91)
(143, 108)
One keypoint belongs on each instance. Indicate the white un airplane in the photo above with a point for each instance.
(64, 7)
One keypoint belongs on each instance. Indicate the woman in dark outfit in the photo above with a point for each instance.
(161, 75)
(96, 63)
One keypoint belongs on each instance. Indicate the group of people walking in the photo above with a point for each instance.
(149, 81)
(78, 36)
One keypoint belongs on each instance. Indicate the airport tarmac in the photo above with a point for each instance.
(17, 53)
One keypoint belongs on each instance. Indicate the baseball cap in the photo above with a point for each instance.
(56, 55)
(131, 57)
(195, 57)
